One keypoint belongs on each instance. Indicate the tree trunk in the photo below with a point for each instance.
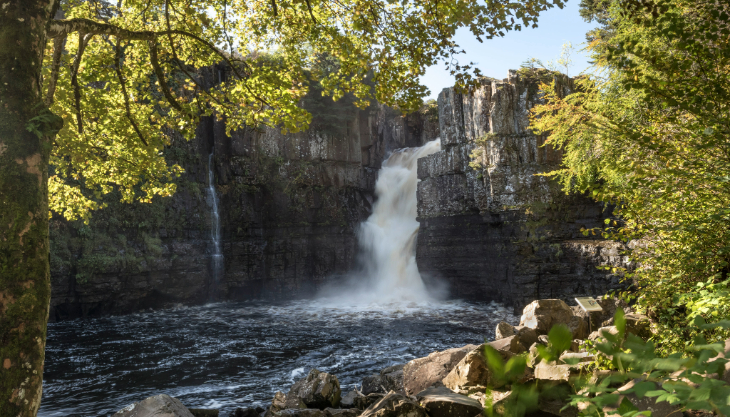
(26, 129)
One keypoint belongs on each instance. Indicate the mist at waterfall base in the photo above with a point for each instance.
(387, 275)
(228, 355)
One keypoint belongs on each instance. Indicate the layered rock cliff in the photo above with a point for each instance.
(490, 227)
(289, 206)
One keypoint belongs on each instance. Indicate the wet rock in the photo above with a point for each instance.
(317, 390)
(391, 369)
(442, 402)
(348, 400)
(422, 373)
(362, 402)
(343, 412)
(542, 315)
(203, 412)
(503, 330)
(395, 405)
(389, 379)
(246, 412)
(157, 406)
(301, 412)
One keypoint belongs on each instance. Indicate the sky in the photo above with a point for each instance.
(495, 57)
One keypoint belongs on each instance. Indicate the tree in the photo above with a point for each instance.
(649, 134)
(89, 101)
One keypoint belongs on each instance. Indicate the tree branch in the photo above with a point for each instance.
(83, 41)
(309, 6)
(55, 67)
(118, 68)
(161, 76)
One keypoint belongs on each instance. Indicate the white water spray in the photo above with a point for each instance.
(215, 227)
(388, 237)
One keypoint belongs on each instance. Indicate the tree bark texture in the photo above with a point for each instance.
(26, 131)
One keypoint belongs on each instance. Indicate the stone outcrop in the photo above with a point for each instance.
(161, 405)
(490, 227)
(316, 390)
(289, 206)
(389, 379)
(422, 373)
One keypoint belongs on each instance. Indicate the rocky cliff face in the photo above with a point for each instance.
(490, 227)
(289, 206)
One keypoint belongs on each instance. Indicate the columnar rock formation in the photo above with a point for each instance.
(489, 226)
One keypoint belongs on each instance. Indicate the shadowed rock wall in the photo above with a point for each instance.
(289, 208)
(492, 229)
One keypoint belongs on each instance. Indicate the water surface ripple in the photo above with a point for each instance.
(228, 355)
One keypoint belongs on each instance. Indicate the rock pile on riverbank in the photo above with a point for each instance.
(452, 383)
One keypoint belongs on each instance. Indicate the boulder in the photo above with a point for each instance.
(471, 371)
(161, 405)
(542, 315)
(348, 400)
(422, 373)
(343, 412)
(300, 412)
(527, 336)
(395, 405)
(503, 330)
(364, 401)
(391, 369)
(442, 402)
(579, 327)
(317, 390)
(507, 347)
(246, 412)
(389, 379)
(205, 412)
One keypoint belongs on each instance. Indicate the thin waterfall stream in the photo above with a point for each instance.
(215, 226)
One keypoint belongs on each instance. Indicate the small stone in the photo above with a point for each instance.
(556, 372)
(542, 315)
(526, 336)
(156, 406)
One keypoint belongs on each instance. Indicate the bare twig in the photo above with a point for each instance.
(83, 41)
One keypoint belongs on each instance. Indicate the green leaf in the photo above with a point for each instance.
(626, 406)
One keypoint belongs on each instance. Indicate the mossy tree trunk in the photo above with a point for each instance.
(26, 131)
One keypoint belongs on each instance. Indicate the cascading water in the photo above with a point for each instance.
(388, 237)
(215, 228)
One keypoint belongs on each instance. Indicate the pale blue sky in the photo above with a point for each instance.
(495, 56)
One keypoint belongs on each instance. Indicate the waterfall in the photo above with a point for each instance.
(388, 237)
(215, 226)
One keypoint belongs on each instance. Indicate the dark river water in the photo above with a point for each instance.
(229, 355)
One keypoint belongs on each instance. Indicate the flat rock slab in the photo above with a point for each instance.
(442, 402)
(157, 406)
